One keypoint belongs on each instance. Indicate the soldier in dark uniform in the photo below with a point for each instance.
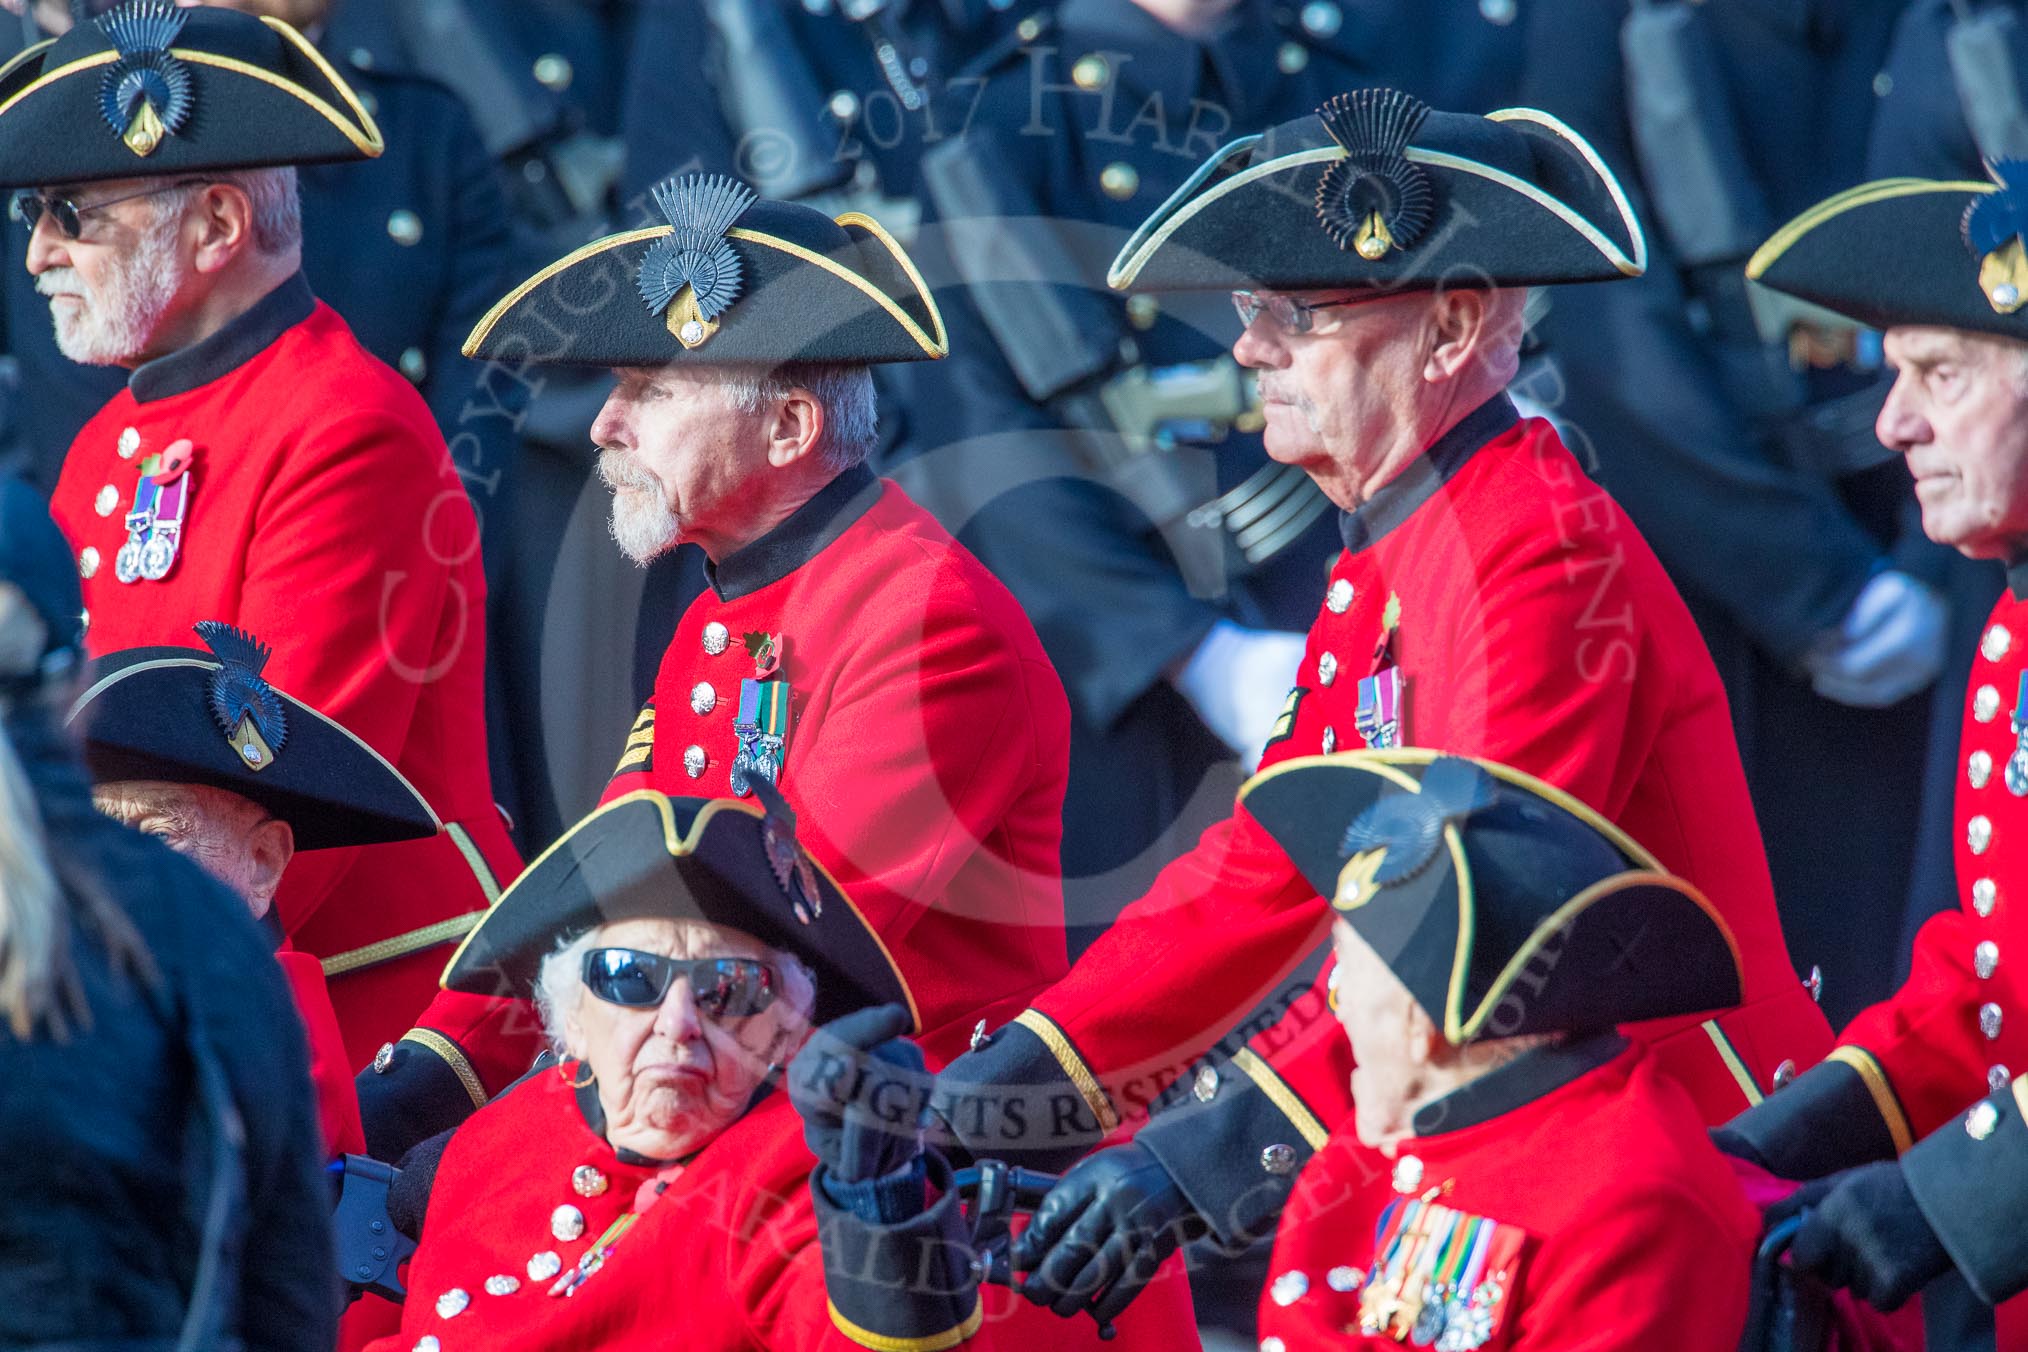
(1740, 451)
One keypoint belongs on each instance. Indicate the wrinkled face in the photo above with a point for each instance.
(1349, 389)
(1389, 1034)
(111, 289)
(230, 837)
(679, 460)
(670, 1078)
(1958, 413)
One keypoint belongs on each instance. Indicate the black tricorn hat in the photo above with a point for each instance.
(1911, 251)
(208, 716)
(723, 279)
(1505, 906)
(720, 860)
(152, 89)
(1375, 189)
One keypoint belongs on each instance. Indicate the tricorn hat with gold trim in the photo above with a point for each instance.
(208, 716)
(1911, 251)
(1505, 906)
(722, 278)
(153, 89)
(1375, 189)
(725, 861)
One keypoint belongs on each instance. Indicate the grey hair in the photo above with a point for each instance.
(844, 391)
(277, 205)
(559, 985)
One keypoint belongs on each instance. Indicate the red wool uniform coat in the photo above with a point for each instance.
(324, 517)
(1531, 625)
(928, 742)
(1614, 1221)
(725, 1257)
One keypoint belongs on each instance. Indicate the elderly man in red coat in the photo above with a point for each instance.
(1491, 600)
(261, 469)
(1914, 1132)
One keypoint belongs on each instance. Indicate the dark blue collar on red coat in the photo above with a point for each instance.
(2017, 580)
(239, 342)
(1534, 1074)
(1397, 499)
(809, 530)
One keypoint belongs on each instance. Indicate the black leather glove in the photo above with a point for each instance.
(1863, 1230)
(1102, 1232)
(863, 1094)
(1733, 1143)
(408, 1197)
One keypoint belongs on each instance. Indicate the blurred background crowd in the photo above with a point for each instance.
(1101, 455)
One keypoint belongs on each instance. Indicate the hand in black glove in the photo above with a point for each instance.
(408, 1197)
(1862, 1229)
(1101, 1233)
(863, 1094)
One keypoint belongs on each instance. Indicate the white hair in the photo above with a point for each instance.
(559, 985)
(277, 206)
(842, 390)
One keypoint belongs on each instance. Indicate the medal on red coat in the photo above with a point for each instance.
(1441, 1279)
(2017, 764)
(763, 731)
(1378, 717)
(155, 522)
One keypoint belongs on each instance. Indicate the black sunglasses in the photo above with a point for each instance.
(724, 988)
(31, 204)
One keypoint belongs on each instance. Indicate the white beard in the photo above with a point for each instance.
(641, 522)
(112, 326)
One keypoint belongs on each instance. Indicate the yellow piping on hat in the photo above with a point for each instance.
(507, 302)
(1598, 166)
(1123, 271)
(679, 846)
(845, 274)
(24, 56)
(105, 683)
(50, 77)
(367, 125)
(1114, 277)
(893, 246)
(1879, 190)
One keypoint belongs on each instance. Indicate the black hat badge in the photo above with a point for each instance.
(245, 707)
(1397, 836)
(1375, 199)
(146, 95)
(1994, 227)
(695, 263)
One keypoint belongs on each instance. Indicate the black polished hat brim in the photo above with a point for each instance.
(263, 96)
(647, 855)
(863, 303)
(1886, 254)
(146, 716)
(1243, 222)
(1628, 944)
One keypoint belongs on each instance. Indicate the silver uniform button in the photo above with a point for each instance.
(1985, 959)
(694, 761)
(553, 72)
(1291, 57)
(1278, 1158)
(1327, 668)
(1289, 1288)
(1407, 1174)
(1990, 1016)
(1984, 897)
(452, 1303)
(1979, 768)
(1205, 1087)
(566, 1222)
(428, 1343)
(1784, 1074)
(1996, 642)
(108, 498)
(404, 227)
(1342, 1279)
(703, 699)
(1498, 11)
(1985, 703)
(1339, 599)
(1814, 984)
(544, 1265)
(844, 105)
(1998, 1078)
(414, 364)
(88, 561)
(1979, 833)
(1322, 19)
(715, 638)
(383, 1058)
(586, 1181)
(1981, 1120)
(502, 1284)
(1273, 1344)
(130, 442)
(1119, 180)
